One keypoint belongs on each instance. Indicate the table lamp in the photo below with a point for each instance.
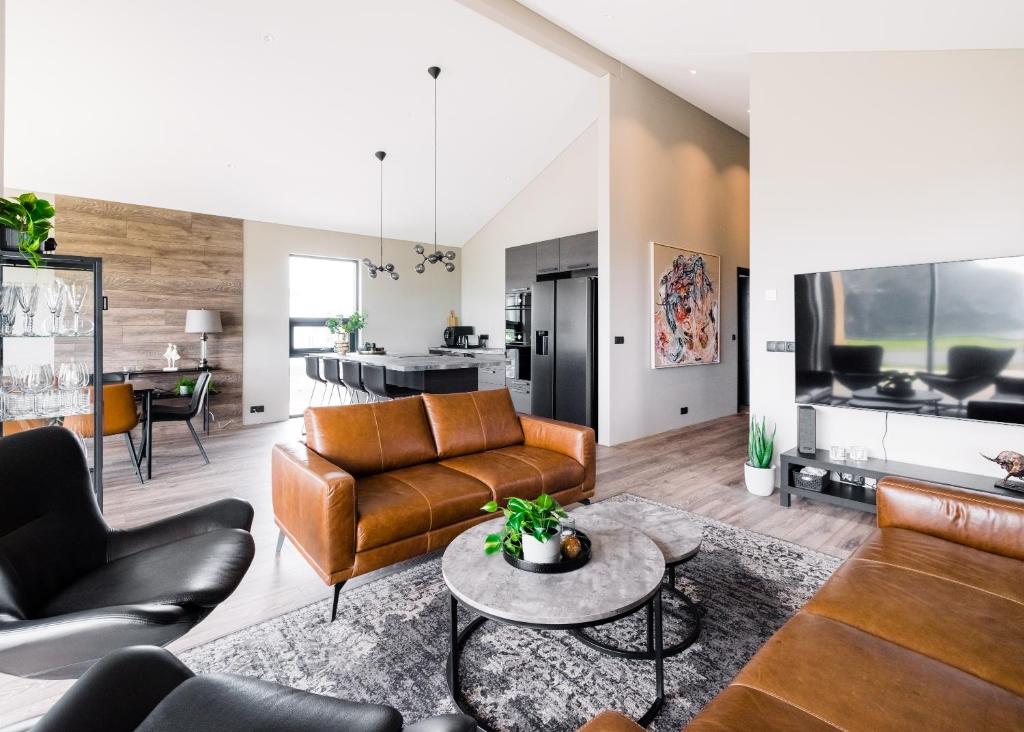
(203, 321)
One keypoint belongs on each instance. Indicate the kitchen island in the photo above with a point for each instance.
(432, 374)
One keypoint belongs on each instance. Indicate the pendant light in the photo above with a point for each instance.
(375, 268)
(435, 256)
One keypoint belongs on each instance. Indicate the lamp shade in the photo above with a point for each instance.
(203, 321)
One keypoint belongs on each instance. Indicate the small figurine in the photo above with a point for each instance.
(172, 356)
(1013, 464)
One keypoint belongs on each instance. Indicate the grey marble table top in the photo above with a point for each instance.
(624, 570)
(422, 362)
(678, 540)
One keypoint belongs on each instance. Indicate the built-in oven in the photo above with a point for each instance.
(517, 317)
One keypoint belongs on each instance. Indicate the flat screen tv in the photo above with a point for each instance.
(943, 339)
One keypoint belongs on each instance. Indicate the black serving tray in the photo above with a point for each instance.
(565, 565)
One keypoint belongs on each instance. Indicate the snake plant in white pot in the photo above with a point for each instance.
(759, 472)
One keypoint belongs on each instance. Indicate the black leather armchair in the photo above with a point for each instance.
(146, 689)
(72, 589)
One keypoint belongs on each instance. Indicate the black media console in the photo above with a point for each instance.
(862, 497)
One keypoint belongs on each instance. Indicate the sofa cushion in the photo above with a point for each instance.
(520, 471)
(364, 439)
(856, 681)
(403, 503)
(970, 629)
(472, 421)
(740, 708)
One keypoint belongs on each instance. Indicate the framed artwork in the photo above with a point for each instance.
(686, 288)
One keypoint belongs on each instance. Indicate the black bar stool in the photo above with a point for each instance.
(313, 372)
(351, 374)
(375, 381)
(332, 373)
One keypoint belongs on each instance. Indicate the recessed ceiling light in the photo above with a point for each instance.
(748, 111)
(693, 71)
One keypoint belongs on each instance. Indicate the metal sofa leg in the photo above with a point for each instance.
(280, 542)
(199, 443)
(585, 501)
(337, 591)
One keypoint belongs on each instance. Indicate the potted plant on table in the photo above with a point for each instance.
(531, 531)
(27, 221)
(759, 472)
(343, 329)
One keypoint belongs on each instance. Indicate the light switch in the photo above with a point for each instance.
(771, 295)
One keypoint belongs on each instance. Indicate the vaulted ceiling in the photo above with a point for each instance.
(272, 111)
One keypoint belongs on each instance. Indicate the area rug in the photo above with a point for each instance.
(390, 641)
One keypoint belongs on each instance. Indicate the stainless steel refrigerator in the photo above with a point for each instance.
(564, 369)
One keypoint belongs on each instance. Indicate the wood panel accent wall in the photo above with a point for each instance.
(158, 263)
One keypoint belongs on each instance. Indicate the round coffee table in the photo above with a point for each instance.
(623, 575)
(679, 542)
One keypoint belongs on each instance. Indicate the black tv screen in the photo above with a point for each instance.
(943, 339)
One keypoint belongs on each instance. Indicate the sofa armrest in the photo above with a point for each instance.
(315, 505)
(569, 439)
(983, 521)
(609, 721)
(227, 513)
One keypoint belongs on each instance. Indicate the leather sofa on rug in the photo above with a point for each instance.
(379, 483)
(147, 689)
(921, 628)
(73, 589)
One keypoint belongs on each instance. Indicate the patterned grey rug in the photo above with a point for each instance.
(390, 641)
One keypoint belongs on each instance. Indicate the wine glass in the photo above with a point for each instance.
(76, 298)
(17, 401)
(55, 303)
(66, 386)
(8, 304)
(35, 385)
(81, 386)
(28, 298)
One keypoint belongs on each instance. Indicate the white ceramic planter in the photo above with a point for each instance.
(184, 391)
(760, 481)
(542, 552)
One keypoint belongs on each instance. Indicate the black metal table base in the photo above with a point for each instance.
(694, 612)
(654, 614)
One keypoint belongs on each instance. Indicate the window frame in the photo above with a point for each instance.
(294, 322)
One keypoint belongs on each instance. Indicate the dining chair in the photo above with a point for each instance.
(352, 375)
(375, 382)
(332, 373)
(120, 417)
(186, 412)
(313, 372)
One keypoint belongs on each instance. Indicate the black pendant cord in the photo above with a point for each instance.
(435, 164)
(435, 256)
(380, 266)
(381, 227)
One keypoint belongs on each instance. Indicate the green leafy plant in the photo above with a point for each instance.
(538, 519)
(32, 218)
(340, 324)
(760, 446)
(191, 384)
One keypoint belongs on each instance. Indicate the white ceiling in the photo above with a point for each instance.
(272, 111)
(665, 39)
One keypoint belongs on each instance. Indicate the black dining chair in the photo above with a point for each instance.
(313, 372)
(375, 381)
(185, 413)
(332, 373)
(352, 375)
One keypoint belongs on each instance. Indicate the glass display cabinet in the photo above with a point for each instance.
(51, 347)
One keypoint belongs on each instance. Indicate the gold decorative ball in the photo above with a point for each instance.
(571, 547)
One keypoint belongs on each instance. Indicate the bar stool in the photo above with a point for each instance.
(351, 374)
(313, 372)
(375, 381)
(332, 373)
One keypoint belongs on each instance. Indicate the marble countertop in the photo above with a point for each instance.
(423, 362)
(470, 351)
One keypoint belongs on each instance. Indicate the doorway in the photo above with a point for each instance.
(743, 328)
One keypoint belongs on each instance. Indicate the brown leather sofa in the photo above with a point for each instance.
(379, 483)
(921, 628)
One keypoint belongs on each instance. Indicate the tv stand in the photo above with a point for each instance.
(861, 497)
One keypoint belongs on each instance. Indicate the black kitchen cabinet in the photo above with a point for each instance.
(548, 257)
(520, 267)
(578, 252)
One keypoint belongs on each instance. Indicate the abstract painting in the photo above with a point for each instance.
(687, 305)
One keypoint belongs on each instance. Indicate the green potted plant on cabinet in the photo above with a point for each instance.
(531, 529)
(759, 472)
(343, 328)
(27, 222)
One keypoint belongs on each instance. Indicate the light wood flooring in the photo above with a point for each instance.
(698, 468)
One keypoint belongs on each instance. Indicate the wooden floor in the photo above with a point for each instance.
(698, 468)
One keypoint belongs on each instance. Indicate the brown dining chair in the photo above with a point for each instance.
(120, 417)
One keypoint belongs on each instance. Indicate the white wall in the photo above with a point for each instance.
(562, 200)
(407, 315)
(674, 175)
(868, 159)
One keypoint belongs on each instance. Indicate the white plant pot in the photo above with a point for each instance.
(542, 552)
(184, 391)
(760, 481)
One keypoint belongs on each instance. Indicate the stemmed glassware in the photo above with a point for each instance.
(76, 298)
(8, 304)
(17, 400)
(55, 304)
(28, 298)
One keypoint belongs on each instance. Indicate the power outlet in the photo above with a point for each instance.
(256, 409)
(684, 410)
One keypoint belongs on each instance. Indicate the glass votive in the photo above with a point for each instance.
(837, 453)
(858, 453)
